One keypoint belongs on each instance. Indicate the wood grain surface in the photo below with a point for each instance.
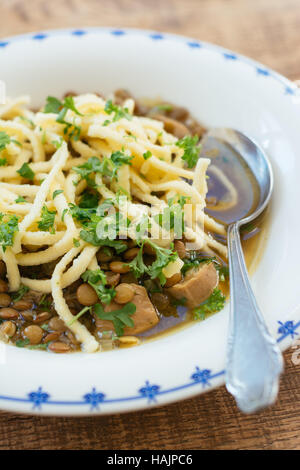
(269, 31)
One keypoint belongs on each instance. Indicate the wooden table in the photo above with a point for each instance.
(267, 30)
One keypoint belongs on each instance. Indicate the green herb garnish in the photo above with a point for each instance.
(118, 111)
(5, 139)
(56, 193)
(8, 228)
(19, 294)
(191, 150)
(147, 155)
(20, 199)
(106, 167)
(76, 242)
(54, 105)
(120, 318)
(26, 172)
(213, 304)
(163, 257)
(46, 223)
(97, 280)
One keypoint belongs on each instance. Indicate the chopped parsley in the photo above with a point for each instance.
(5, 139)
(118, 111)
(213, 304)
(163, 257)
(147, 155)
(56, 193)
(120, 318)
(22, 343)
(45, 302)
(191, 150)
(223, 272)
(19, 294)
(76, 317)
(97, 280)
(20, 199)
(194, 263)
(106, 167)
(57, 143)
(3, 161)
(76, 242)
(89, 200)
(8, 228)
(63, 214)
(54, 105)
(163, 107)
(26, 172)
(46, 223)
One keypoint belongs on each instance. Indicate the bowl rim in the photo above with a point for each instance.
(200, 380)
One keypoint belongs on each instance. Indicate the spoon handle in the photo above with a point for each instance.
(254, 361)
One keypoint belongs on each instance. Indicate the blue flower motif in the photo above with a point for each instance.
(202, 376)
(4, 43)
(149, 391)
(229, 56)
(118, 32)
(39, 37)
(261, 71)
(156, 36)
(38, 398)
(94, 398)
(194, 45)
(287, 328)
(290, 91)
(78, 32)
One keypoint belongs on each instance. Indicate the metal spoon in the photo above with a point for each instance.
(254, 361)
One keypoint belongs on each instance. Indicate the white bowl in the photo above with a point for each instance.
(221, 89)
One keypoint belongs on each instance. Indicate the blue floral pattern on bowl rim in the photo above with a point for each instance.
(199, 377)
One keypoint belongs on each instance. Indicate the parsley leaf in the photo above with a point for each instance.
(106, 167)
(21, 343)
(118, 111)
(213, 304)
(191, 150)
(26, 172)
(5, 139)
(46, 223)
(120, 317)
(76, 242)
(223, 272)
(89, 200)
(19, 294)
(97, 280)
(53, 105)
(194, 263)
(3, 161)
(163, 257)
(56, 193)
(82, 214)
(147, 155)
(90, 236)
(57, 143)
(8, 227)
(20, 199)
(56, 106)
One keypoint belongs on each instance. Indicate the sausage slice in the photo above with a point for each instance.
(197, 285)
(145, 316)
